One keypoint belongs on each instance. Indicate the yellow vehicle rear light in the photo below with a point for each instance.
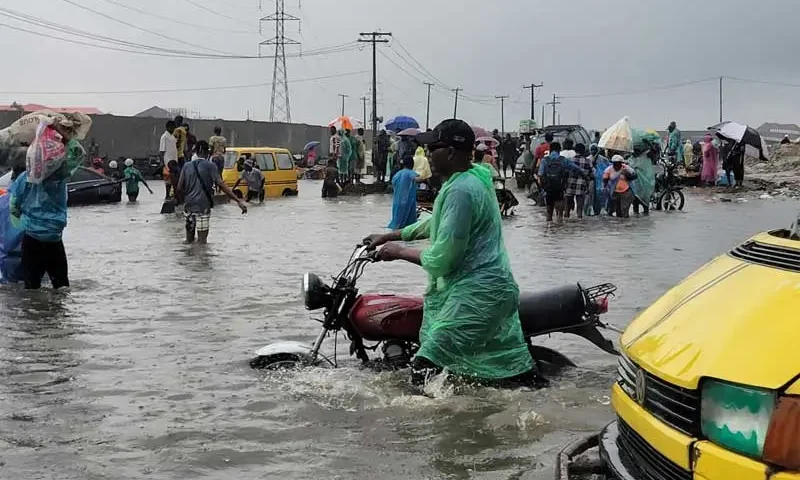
(782, 445)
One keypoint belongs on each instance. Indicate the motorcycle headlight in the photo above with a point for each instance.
(736, 417)
(499, 185)
(315, 293)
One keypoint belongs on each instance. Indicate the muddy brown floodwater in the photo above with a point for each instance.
(140, 371)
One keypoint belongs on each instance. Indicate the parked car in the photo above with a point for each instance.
(85, 187)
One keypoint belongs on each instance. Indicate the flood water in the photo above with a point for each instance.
(140, 371)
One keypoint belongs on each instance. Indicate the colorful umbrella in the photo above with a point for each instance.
(401, 122)
(345, 123)
(410, 132)
(310, 145)
(490, 142)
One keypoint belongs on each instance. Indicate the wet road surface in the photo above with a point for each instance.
(140, 371)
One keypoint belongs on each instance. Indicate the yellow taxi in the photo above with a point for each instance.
(277, 165)
(708, 381)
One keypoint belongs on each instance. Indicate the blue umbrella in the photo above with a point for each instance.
(401, 122)
(310, 145)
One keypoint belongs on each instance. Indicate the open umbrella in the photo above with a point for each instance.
(410, 132)
(754, 143)
(345, 123)
(310, 145)
(490, 142)
(400, 122)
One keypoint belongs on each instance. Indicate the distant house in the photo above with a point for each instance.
(155, 112)
(33, 107)
(774, 132)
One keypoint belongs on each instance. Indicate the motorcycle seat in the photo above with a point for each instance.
(556, 309)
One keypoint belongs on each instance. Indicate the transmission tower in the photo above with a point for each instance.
(279, 102)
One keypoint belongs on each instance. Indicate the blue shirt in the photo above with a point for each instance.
(40, 209)
(568, 165)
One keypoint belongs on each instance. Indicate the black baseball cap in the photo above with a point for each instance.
(449, 133)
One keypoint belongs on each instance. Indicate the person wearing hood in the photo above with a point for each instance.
(600, 163)
(360, 155)
(345, 157)
(421, 165)
(617, 180)
(391, 160)
(471, 326)
(645, 183)
(404, 197)
(688, 154)
(675, 146)
(710, 162)
(785, 140)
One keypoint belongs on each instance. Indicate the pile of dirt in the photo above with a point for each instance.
(781, 172)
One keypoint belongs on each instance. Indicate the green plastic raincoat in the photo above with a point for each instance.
(645, 183)
(471, 326)
(345, 154)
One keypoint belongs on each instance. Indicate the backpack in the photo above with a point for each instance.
(554, 176)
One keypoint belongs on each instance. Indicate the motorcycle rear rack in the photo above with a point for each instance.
(602, 290)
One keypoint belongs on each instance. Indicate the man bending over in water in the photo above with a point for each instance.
(470, 325)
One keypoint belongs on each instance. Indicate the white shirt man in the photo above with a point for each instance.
(168, 147)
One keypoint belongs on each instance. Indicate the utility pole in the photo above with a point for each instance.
(543, 116)
(553, 104)
(343, 97)
(455, 107)
(720, 99)
(279, 102)
(502, 113)
(364, 101)
(374, 38)
(533, 88)
(428, 109)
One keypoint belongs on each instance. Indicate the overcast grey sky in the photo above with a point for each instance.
(577, 48)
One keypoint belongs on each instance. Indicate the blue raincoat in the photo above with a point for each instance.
(404, 201)
(600, 194)
(40, 209)
(10, 245)
(470, 322)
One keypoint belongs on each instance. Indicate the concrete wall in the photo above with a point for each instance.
(138, 137)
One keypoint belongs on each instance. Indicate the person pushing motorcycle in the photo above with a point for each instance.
(470, 325)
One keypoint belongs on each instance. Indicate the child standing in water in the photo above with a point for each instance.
(132, 178)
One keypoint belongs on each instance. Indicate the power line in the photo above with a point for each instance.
(180, 89)
(180, 22)
(138, 48)
(638, 92)
(202, 7)
(134, 26)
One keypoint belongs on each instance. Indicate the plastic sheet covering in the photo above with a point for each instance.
(470, 326)
(618, 137)
(10, 245)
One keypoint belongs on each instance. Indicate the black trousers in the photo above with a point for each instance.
(39, 258)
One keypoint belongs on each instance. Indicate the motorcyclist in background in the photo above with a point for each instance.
(470, 325)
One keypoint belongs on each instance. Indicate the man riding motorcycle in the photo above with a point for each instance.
(470, 326)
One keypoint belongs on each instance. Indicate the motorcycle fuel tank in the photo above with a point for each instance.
(378, 317)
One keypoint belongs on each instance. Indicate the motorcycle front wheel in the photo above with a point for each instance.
(671, 200)
(283, 361)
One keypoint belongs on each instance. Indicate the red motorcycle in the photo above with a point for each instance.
(391, 322)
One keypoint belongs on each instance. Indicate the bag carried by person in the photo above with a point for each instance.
(554, 177)
(46, 153)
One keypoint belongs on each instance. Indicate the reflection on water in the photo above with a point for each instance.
(140, 371)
